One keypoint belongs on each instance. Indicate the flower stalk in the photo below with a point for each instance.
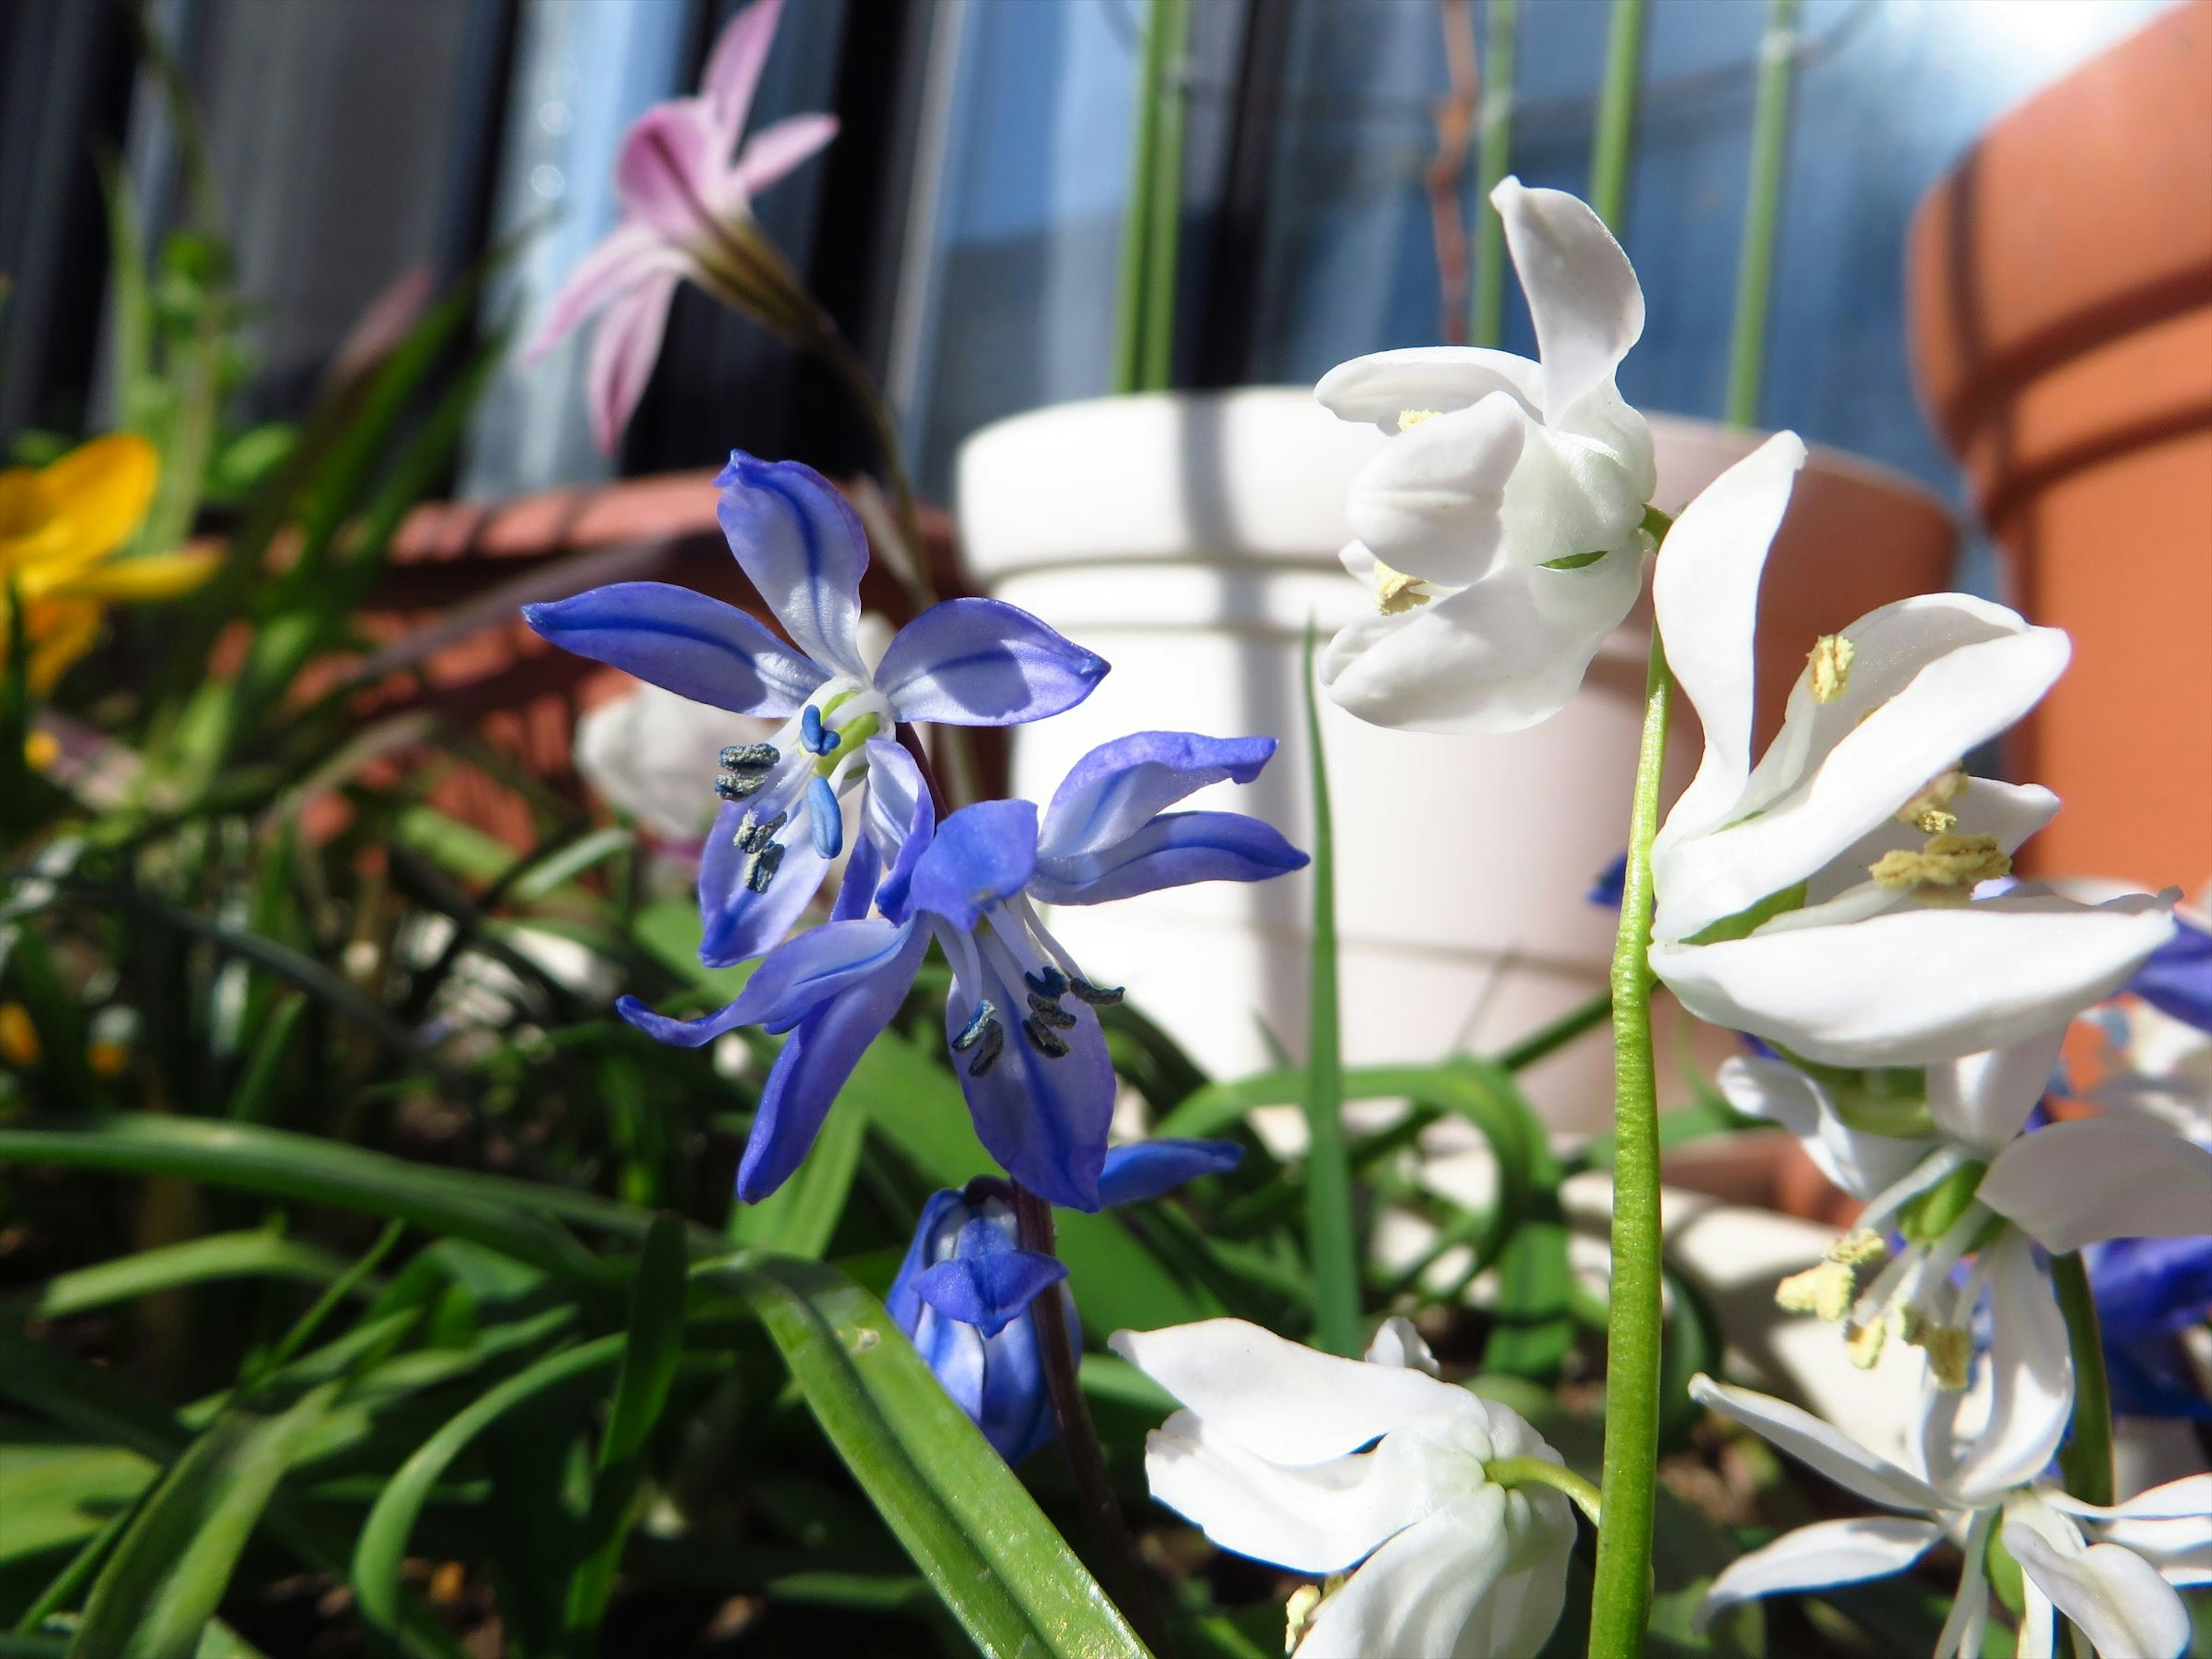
(2085, 1460)
(1493, 148)
(1120, 1569)
(1612, 148)
(1538, 1472)
(1754, 281)
(1621, 1599)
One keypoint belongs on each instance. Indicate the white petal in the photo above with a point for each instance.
(1384, 385)
(1319, 1517)
(2073, 1183)
(1397, 1343)
(2114, 1595)
(1958, 700)
(1499, 656)
(1982, 1101)
(1827, 1552)
(1429, 502)
(1859, 1162)
(1583, 292)
(1484, 1578)
(1281, 1400)
(2189, 1499)
(2180, 1550)
(1826, 1449)
(1704, 590)
(1569, 495)
(1969, 1603)
(2031, 1373)
(1916, 985)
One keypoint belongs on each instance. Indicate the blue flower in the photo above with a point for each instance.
(964, 1291)
(2150, 1290)
(1021, 1021)
(2176, 978)
(965, 662)
(1610, 885)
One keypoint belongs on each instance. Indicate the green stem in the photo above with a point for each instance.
(1328, 1172)
(2085, 1460)
(1612, 147)
(1564, 1030)
(1144, 318)
(1536, 1472)
(1493, 155)
(1621, 1599)
(1755, 276)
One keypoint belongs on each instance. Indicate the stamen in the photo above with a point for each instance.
(985, 1014)
(824, 819)
(1864, 1344)
(1410, 418)
(1950, 1355)
(1043, 1038)
(1830, 661)
(1098, 996)
(736, 786)
(753, 834)
(1825, 1291)
(1944, 872)
(1047, 981)
(1051, 1013)
(763, 867)
(1858, 1248)
(991, 1044)
(812, 734)
(751, 756)
(1396, 593)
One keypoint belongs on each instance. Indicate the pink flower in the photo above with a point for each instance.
(687, 213)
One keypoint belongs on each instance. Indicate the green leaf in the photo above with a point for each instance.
(648, 1366)
(53, 1496)
(219, 1256)
(1331, 1247)
(383, 1541)
(970, 1526)
(170, 1570)
(800, 1217)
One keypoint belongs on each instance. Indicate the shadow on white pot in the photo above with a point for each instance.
(1188, 538)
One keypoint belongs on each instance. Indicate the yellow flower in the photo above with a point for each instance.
(61, 526)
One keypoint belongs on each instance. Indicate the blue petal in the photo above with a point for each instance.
(988, 1290)
(824, 962)
(825, 821)
(1112, 792)
(1148, 1169)
(899, 820)
(817, 1057)
(942, 1216)
(804, 549)
(2176, 978)
(683, 642)
(1610, 886)
(982, 662)
(739, 923)
(1044, 1119)
(682, 1033)
(857, 889)
(982, 854)
(1171, 851)
(2151, 1284)
(1017, 1408)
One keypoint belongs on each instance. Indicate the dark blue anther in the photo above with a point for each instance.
(1043, 1038)
(972, 1033)
(753, 834)
(1047, 981)
(1098, 996)
(1051, 1013)
(750, 756)
(818, 740)
(988, 1048)
(764, 865)
(822, 817)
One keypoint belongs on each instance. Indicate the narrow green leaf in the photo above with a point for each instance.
(970, 1526)
(169, 1573)
(383, 1541)
(565, 864)
(648, 1366)
(1331, 1242)
(219, 1256)
(254, 1100)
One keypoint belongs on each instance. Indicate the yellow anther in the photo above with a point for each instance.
(1865, 1344)
(19, 1038)
(1928, 810)
(40, 750)
(1830, 661)
(1396, 593)
(1944, 871)
(1858, 1248)
(1950, 1352)
(1299, 1614)
(1410, 418)
(1825, 1290)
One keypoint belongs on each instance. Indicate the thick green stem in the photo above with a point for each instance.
(1536, 1472)
(1144, 322)
(1612, 147)
(1754, 276)
(1329, 1232)
(2085, 1460)
(1494, 154)
(1622, 1600)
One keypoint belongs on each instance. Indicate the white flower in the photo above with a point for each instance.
(1940, 1159)
(1501, 528)
(1323, 1465)
(1824, 900)
(652, 754)
(2110, 1570)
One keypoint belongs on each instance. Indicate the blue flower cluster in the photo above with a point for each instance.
(1021, 1023)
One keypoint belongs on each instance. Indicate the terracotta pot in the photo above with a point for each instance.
(1187, 539)
(2061, 299)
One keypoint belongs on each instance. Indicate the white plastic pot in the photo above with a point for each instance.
(1190, 539)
